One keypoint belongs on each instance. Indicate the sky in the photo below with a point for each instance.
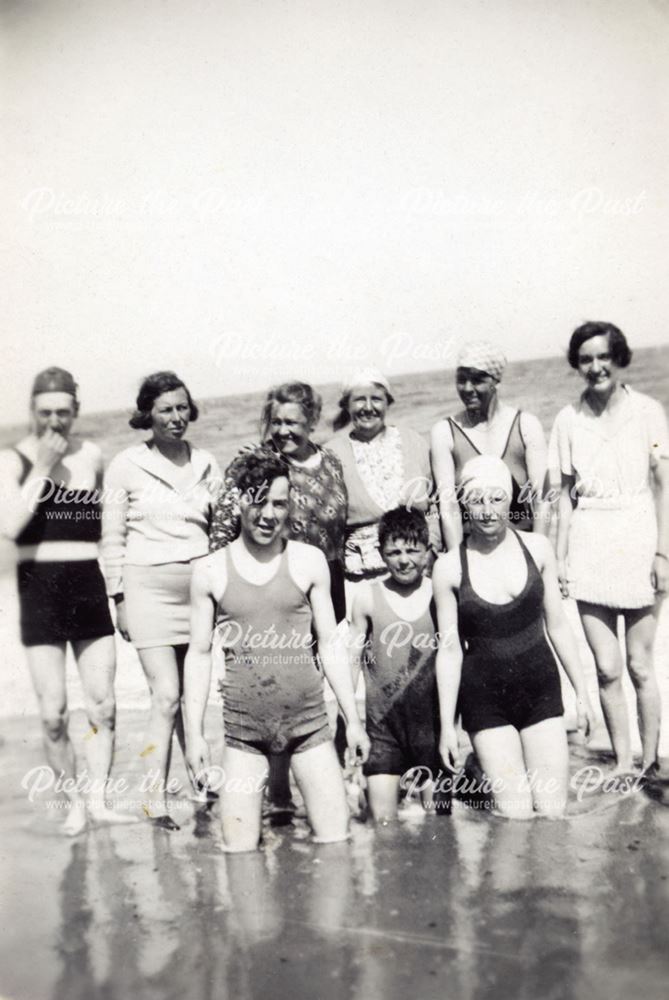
(253, 190)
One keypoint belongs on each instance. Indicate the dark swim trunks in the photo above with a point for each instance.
(62, 602)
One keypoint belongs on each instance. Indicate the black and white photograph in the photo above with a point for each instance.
(334, 500)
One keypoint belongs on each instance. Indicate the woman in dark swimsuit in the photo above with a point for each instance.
(496, 592)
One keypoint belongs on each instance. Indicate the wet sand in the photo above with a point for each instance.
(469, 906)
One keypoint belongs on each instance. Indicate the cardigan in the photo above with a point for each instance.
(417, 489)
(154, 511)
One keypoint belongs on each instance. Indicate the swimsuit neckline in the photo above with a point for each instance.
(521, 593)
(394, 610)
(271, 578)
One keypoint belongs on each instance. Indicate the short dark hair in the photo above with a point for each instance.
(256, 470)
(151, 388)
(300, 393)
(621, 355)
(405, 524)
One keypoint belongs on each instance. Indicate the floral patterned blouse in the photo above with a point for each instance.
(317, 511)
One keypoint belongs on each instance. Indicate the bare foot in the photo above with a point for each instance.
(76, 819)
(102, 814)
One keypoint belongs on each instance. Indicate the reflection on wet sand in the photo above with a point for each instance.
(470, 906)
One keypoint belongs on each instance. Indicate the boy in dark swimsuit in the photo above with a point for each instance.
(265, 594)
(396, 617)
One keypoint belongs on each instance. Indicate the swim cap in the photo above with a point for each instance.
(367, 376)
(484, 472)
(54, 380)
(483, 356)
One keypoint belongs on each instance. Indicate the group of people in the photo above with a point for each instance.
(428, 567)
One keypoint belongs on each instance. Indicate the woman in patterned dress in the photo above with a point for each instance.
(317, 492)
(612, 541)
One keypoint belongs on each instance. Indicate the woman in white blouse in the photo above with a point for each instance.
(613, 537)
(158, 502)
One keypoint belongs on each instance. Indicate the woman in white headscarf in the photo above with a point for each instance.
(494, 595)
(385, 466)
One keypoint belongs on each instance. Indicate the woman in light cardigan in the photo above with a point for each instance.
(384, 467)
(158, 500)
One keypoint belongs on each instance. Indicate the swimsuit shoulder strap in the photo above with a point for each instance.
(529, 558)
(514, 422)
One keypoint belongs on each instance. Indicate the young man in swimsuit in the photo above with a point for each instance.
(487, 426)
(396, 615)
(49, 481)
(265, 594)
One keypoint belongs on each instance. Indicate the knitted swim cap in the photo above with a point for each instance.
(483, 356)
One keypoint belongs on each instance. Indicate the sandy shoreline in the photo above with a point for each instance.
(466, 907)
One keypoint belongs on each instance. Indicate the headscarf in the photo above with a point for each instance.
(54, 380)
(483, 356)
(485, 473)
(367, 376)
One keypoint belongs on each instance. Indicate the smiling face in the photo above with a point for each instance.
(367, 406)
(596, 366)
(264, 513)
(54, 411)
(170, 415)
(488, 510)
(290, 430)
(406, 560)
(476, 389)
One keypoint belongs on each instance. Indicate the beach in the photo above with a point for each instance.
(464, 906)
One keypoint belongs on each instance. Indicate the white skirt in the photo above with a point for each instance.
(611, 550)
(157, 602)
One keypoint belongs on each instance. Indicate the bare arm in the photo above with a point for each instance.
(449, 653)
(562, 637)
(358, 630)
(536, 460)
(197, 672)
(443, 470)
(18, 503)
(114, 524)
(334, 657)
(197, 667)
(565, 509)
(661, 561)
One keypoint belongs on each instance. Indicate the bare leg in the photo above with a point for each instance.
(500, 754)
(599, 625)
(47, 669)
(547, 761)
(383, 791)
(241, 798)
(96, 659)
(640, 627)
(321, 783)
(162, 674)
